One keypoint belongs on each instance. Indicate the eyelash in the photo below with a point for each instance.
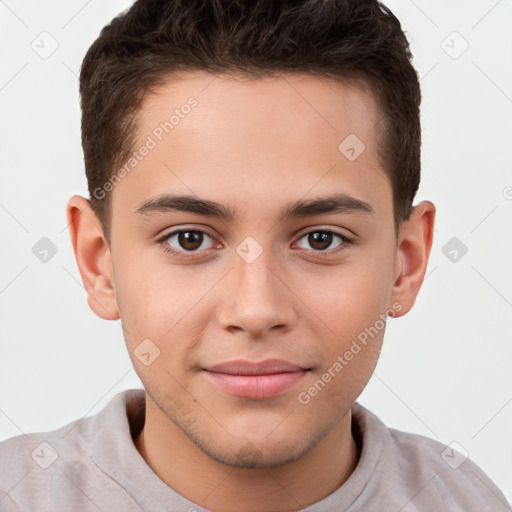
(346, 242)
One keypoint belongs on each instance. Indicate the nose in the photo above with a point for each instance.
(256, 297)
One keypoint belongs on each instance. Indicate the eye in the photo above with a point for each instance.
(320, 240)
(188, 243)
(183, 241)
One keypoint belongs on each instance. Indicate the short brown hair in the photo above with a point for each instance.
(145, 45)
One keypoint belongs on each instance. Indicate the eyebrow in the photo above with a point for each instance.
(337, 203)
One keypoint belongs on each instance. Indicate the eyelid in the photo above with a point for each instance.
(163, 239)
(345, 241)
(336, 230)
(175, 230)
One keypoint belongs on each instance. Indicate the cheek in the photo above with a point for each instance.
(353, 304)
(146, 297)
(351, 346)
(162, 303)
(347, 301)
(157, 300)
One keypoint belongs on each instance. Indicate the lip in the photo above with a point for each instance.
(245, 367)
(255, 380)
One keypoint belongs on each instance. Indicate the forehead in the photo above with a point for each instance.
(290, 102)
(217, 134)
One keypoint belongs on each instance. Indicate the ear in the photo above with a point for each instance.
(93, 257)
(413, 250)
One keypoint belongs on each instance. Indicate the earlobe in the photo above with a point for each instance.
(93, 257)
(414, 245)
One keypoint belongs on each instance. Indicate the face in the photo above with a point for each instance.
(211, 297)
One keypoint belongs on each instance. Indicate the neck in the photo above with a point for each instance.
(189, 471)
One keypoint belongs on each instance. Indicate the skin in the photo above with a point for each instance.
(254, 146)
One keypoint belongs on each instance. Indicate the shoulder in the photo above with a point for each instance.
(425, 470)
(456, 478)
(29, 462)
(49, 470)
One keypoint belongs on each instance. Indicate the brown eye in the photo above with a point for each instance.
(185, 240)
(190, 240)
(321, 240)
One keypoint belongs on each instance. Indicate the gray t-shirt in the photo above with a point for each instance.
(92, 464)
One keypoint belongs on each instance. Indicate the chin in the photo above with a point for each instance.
(250, 456)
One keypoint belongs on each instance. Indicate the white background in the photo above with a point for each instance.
(445, 371)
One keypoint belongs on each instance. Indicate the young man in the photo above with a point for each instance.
(251, 168)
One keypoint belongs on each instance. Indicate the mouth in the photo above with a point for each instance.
(255, 380)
